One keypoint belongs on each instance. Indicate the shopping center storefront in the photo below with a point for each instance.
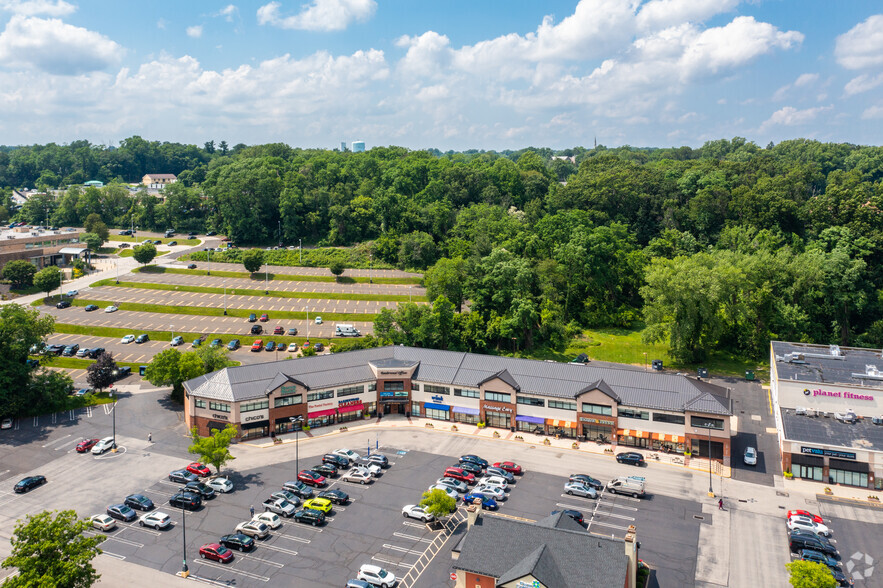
(529, 424)
(559, 428)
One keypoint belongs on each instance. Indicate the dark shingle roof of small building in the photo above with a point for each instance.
(508, 549)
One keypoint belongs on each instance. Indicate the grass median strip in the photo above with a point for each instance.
(211, 311)
(256, 292)
(259, 277)
(164, 240)
(75, 363)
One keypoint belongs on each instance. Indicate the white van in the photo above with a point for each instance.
(346, 331)
(632, 486)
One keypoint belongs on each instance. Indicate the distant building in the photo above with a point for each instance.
(570, 158)
(358, 146)
(39, 246)
(94, 184)
(343, 146)
(158, 181)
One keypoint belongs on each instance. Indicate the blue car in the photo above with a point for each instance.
(487, 503)
(271, 345)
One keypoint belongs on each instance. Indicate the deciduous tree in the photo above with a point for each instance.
(253, 259)
(20, 273)
(48, 279)
(100, 374)
(214, 449)
(810, 574)
(145, 253)
(437, 503)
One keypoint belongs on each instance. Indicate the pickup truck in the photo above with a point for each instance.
(280, 506)
(632, 485)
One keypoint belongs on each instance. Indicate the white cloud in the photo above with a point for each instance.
(195, 31)
(790, 116)
(428, 55)
(862, 83)
(161, 24)
(321, 15)
(659, 14)
(862, 45)
(55, 47)
(35, 7)
(228, 12)
(805, 80)
(873, 112)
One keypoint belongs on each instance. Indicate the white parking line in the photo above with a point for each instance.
(411, 537)
(54, 442)
(562, 505)
(614, 515)
(402, 549)
(138, 527)
(391, 563)
(594, 522)
(587, 499)
(231, 570)
(279, 549)
(125, 541)
(611, 505)
(293, 538)
(417, 525)
(266, 561)
(113, 555)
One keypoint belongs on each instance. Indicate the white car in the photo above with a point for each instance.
(807, 524)
(127, 339)
(495, 493)
(72, 293)
(220, 485)
(580, 489)
(111, 308)
(376, 576)
(102, 446)
(357, 476)
(157, 520)
(412, 511)
(750, 457)
(318, 320)
(495, 481)
(253, 529)
(271, 519)
(371, 468)
(103, 522)
(292, 347)
(455, 484)
(6, 423)
(446, 489)
(347, 453)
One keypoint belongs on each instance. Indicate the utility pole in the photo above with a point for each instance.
(300, 253)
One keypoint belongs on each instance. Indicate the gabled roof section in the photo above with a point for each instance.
(393, 363)
(541, 564)
(709, 403)
(505, 376)
(282, 379)
(603, 387)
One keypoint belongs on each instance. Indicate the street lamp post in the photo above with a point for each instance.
(409, 294)
(117, 264)
(308, 323)
(184, 571)
(710, 488)
(370, 265)
(266, 279)
(114, 397)
(209, 270)
(300, 253)
(225, 299)
(296, 421)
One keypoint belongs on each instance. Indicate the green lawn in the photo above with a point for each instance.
(260, 292)
(259, 277)
(74, 363)
(139, 239)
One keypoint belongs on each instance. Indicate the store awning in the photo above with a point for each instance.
(667, 437)
(72, 250)
(436, 406)
(255, 425)
(633, 433)
(350, 408)
(464, 410)
(562, 424)
(321, 413)
(530, 419)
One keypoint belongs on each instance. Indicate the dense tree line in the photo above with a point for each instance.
(725, 246)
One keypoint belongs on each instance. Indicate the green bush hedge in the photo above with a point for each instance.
(352, 257)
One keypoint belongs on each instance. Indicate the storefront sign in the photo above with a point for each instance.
(393, 373)
(349, 402)
(314, 406)
(220, 417)
(827, 452)
(437, 398)
(496, 408)
(842, 394)
(596, 421)
(255, 416)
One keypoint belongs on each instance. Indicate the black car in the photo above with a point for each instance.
(55, 349)
(233, 345)
(252, 318)
(806, 540)
(183, 477)
(122, 372)
(474, 459)
(335, 496)
(29, 483)
(574, 514)
(587, 480)
(292, 332)
(91, 307)
(191, 266)
(256, 329)
(142, 338)
(172, 243)
(630, 457)
(271, 346)
(326, 469)
(842, 579)
(126, 232)
(63, 304)
(121, 512)
(237, 541)
(336, 460)
(187, 500)
(71, 350)
(210, 234)
(157, 242)
(472, 468)
(94, 352)
(138, 502)
(319, 347)
(310, 516)
(200, 488)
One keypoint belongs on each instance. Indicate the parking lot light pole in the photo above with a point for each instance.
(117, 264)
(296, 421)
(266, 279)
(209, 270)
(225, 299)
(308, 323)
(710, 489)
(300, 253)
(114, 397)
(184, 571)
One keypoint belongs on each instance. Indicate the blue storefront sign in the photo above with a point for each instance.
(436, 406)
(827, 452)
(438, 398)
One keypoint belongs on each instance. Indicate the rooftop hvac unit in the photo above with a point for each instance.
(871, 373)
(799, 410)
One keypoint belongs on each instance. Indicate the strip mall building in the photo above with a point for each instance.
(623, 405)
(828, 404)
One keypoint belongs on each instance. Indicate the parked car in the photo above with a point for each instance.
(286, 495)
(511, 467)
(254, 529)
(103, 522)
(220, 485)
(496, 493)
(587, 480)
(216, 552)
(631, 458)
(337, 460)
(493, 481)
(216, 343)
(158, 520)
(72, 293)
(238, 541)
(71, 350)
(198, 469)
(176, 340)
(804, 513)
(121, 512)
(379, 459)
(292, 331)
(309, 516)
(319, 347)
(299, 488)
(257, 329)
(357, 476)
(459, 474)
(196, 342)
(252, 318)
(335, 495)
(86, 445)
(352, 583)
(376, 576)
(183, 477)
(799, 539)
(257, 345)
(292, 347)
(63, 304)
(580, 489)
(453, 484)
(187, 500)
(321, 504)
(325, 469)
(271, 346)
(446, 489)
(750, 456)
(279, 330)
(413, 511)
(127, 339)
(172, 243)
(94, 352)
(122, 372)
(264, 318)
(487, 503)
(483, 463)
(366, 464)
(111, 308)
(473, 468)
(91, 307)
(201, 488)
(495, 471)
(318, 320)
(143, 338)
(574, 514)
(83, 352)
(55, 349)
(271, 519)
(807, 524)
(233, 345)
(349, 454)
(138, 502)
(28, 484)
(104, 445)
(191, 266)
(818, 557)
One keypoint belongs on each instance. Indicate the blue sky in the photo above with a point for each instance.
(485, 74)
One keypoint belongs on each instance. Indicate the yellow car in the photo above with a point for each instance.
(320, 504)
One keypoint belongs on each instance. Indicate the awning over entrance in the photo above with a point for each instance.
(464, 410)
(530, 419)
(321, 413)
(72, 250)
(436, 406)
(633, 433)
(667, 437)
(350, 408)
(562, 424)
(256, 425)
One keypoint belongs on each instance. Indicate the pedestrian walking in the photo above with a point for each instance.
(150, 437)
(720, 504)
(252, 511)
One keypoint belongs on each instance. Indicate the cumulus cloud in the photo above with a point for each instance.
(659, 14)
(862, 45)
(862, 83)
(790, 116)
(321, 15)
(55, 47)
(801, 81)
(35, 7)
(873, 112)
(195, 31)
(228, 12)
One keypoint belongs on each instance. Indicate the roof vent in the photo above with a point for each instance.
(835, 350)
(871, 373)
(799, 410)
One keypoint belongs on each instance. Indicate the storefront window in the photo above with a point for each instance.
(597, 409)
(352, 415)
(369, 407)
(497, 419)
(848, 478)
(563, 432)
(701, 422)
(498, 396)
(462, 417)
(630, 441)
(394, 385)
(594, 432)
(415, 409)
(530, 427)
(434, 413)
(321, 421)
(807, 472)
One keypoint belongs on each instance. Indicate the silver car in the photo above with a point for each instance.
(455, 484)
(578, 489)
(255, 529)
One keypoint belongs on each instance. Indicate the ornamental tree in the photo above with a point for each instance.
(214, 449)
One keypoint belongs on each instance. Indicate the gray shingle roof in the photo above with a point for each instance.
(631, 386)
(508, 549)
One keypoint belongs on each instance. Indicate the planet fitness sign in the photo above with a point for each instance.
(847, 395)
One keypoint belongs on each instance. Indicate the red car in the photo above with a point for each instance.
(279, 331)
(264, 318)
(198, 469)
(805, 513)
(310, 477)
(86, 444)
(512, 468)
(459, 474)
(217, 552)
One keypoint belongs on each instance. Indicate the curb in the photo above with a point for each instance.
(859, 502)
